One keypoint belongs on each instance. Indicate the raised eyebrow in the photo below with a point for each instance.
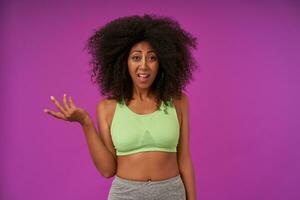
(141, 51)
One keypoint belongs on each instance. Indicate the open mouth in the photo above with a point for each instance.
(143, 77)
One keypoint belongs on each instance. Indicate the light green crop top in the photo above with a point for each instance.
(132, 133)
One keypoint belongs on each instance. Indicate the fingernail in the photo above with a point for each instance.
(45, 110)
(65, 94)
(52, 97)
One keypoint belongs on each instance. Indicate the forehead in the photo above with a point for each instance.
(143, 46)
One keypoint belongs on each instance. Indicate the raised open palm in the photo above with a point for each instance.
(69, 112)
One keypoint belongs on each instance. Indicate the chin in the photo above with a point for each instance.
(145, 85)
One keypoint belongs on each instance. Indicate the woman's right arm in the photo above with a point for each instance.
(100, 145)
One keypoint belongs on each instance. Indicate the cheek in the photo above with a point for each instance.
(130, 68)
(155, 69)
(131, 72)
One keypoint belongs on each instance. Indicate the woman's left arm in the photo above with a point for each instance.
(184, 159)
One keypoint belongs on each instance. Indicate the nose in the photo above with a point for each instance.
(143, 63)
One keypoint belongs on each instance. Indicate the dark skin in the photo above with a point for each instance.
(141, 166)
(149, 165)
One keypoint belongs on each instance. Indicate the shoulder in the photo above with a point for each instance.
(106, 108)
(182, 101)
(106, 105)
(181, 105)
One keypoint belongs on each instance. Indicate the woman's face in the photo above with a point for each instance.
(142, 64)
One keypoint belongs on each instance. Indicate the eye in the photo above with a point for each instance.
(153, 58)
(135, 57)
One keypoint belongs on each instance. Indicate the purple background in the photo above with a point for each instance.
(243, 99)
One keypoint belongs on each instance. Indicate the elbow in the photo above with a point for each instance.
(109, 171)
(109, 174)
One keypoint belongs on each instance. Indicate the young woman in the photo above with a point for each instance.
(142, 64)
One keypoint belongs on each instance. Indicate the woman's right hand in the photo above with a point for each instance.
(70, 112)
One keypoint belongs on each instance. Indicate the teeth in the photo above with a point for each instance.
(143, 75)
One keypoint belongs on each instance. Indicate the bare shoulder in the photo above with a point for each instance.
(180, 105)
(107, 107)
(181, 101)
(106, 104)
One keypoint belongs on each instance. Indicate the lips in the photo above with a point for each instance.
(143, 77)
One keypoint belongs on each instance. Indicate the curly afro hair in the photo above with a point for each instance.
(110, 46)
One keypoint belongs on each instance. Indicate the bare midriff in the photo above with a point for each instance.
(148, 166)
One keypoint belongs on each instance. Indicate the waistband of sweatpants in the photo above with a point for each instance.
(119, 179)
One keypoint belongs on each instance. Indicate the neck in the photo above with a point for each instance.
(141, 94)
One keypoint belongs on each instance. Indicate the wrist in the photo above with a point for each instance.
(86, 121)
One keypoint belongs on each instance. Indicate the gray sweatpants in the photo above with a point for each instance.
(168, 189)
